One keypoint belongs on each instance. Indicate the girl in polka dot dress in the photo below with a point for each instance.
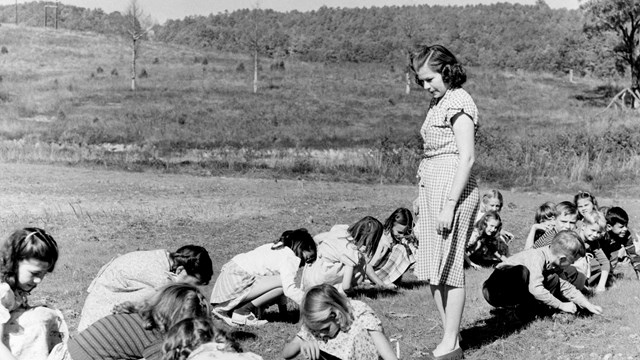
(336, 327)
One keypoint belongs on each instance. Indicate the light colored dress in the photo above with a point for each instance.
(130, 277)
(440, 258)
(30, 333)
(335, 251)
(355, 344)
(211, 351)
(238, 275)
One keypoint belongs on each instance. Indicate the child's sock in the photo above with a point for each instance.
(247, 309)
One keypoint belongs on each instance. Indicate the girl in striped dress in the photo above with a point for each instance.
(448, 196)
(138, 332)
(259, 277)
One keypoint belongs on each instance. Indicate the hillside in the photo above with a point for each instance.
(339, 121)
(499, 36)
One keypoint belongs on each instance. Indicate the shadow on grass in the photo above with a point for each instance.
(291, 317)
(241, 335)
(505, 322)
(598, 96)
(502, 323)
(412, 284)
(371, 292)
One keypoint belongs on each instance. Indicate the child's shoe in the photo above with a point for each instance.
(227, 320)
(249, 319)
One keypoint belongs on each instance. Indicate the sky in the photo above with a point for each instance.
(162, 10)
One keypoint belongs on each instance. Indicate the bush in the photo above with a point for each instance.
(143, 74)
(240, 67)
(99, 70)
(4, 50)
(114, 72)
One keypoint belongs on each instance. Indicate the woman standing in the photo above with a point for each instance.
(448, 196)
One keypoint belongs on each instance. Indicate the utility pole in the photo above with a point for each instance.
(16, 12)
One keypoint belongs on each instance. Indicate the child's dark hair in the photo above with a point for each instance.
(323, 303)
(569, 244)
(566, 208)
(195, 260)
(24, 244)
(298, 241)
(188, 334)
(585, 195)
(171, 304)
(400, 216)
(366, 232)
(481, 225)
(617, 215)
(546, 211)
(440, 60)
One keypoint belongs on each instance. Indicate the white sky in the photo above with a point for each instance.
(162, 10)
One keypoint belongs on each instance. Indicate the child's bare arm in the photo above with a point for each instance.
(383, 345)
(5, 353)
(528, 244)
(346, 280)
(371, 274)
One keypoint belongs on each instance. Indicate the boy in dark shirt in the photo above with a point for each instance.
(619, 237)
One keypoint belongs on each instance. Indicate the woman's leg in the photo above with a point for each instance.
(437, 293)
(453, 300)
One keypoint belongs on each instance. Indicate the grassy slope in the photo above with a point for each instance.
(51, 90)
(95, 214)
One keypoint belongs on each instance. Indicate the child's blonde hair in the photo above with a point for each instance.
(492, 194)
(595, 217)
(189, 334)
(569, 244)
(24, 244)
(366, 232)
(322, 304)
(566, 208)
(171, 304)
(546, 211)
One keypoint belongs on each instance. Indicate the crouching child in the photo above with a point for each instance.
(534, 277)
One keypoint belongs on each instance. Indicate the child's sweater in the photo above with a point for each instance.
(537, 261)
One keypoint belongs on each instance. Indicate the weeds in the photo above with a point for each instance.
(537, 131)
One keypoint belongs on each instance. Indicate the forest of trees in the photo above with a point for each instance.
(500, 36)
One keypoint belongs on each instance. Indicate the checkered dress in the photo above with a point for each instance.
(440, 259)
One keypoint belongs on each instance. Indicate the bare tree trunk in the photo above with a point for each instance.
(134, 55)
(407, 90)
(255, 71)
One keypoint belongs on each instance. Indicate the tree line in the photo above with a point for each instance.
(499, 36)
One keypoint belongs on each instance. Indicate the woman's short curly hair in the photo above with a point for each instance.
(440, 60)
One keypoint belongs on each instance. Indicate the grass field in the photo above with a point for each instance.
(353, 122)
(95, 214)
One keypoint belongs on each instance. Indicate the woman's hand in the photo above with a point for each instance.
(445, 218)
(416, 207)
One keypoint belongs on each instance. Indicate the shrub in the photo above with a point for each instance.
(240, 67)
(114, 72)
(205, 61)
(4, 50)
(99, 70)
(143, 74)
(156, 60)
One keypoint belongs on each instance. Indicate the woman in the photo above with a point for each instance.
(448, 196)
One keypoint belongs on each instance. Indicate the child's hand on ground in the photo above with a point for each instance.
(416, 207)
(310, 350)
(594, 309)
(569, 307)
(390, 286)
